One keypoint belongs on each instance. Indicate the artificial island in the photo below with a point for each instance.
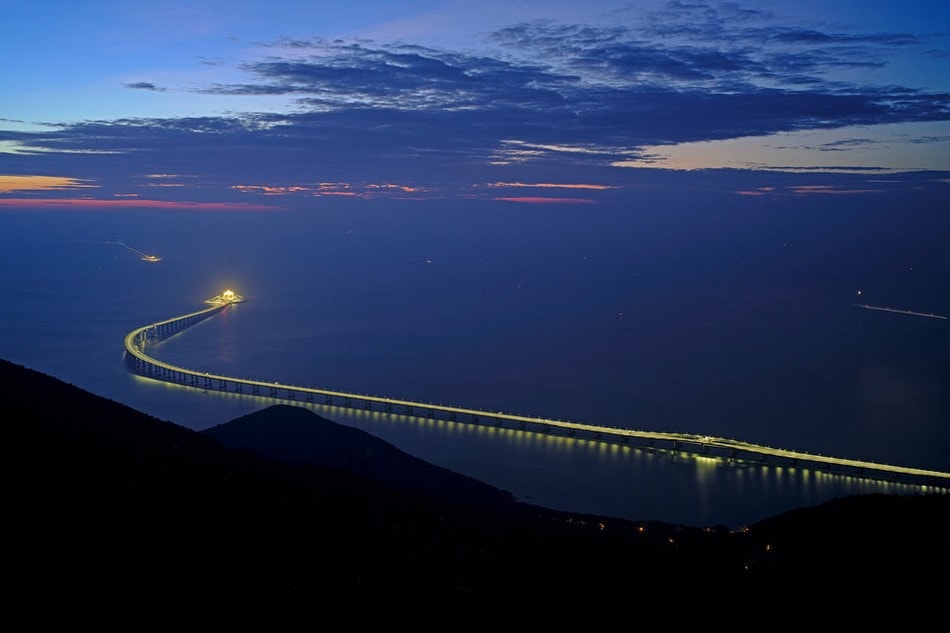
(225, 298)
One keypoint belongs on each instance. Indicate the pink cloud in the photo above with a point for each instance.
(539, 200)
(551, 185)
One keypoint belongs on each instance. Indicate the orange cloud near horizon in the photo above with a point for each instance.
(11, 183)
(329, 189)
(92, 203)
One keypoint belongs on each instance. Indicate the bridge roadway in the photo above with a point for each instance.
(140, 362)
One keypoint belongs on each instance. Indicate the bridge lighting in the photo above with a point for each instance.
(137, 340)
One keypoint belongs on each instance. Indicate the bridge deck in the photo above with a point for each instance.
(136, 343)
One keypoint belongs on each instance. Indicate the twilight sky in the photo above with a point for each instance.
(245, 105)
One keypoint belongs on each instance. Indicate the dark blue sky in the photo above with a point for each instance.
(657, 214)
(267, 105)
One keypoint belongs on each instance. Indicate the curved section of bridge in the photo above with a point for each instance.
(138, 340)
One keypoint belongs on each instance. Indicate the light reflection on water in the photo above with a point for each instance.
(746, 334)
(585, 475)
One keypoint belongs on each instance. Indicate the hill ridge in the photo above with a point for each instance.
(111, 514)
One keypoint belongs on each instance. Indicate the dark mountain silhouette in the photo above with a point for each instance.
(295, 435)
(114, 518)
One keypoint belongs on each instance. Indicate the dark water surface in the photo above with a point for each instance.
(738, 322)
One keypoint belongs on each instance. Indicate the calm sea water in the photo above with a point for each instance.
(735, 320)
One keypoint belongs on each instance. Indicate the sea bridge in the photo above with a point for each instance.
(138, 340)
